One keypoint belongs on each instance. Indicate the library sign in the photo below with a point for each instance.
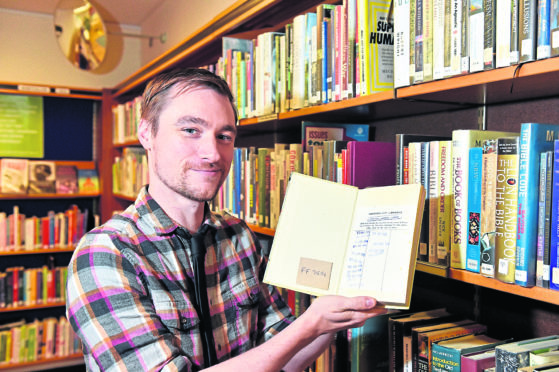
(21, 126)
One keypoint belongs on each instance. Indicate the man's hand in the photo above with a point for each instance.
(328, 314)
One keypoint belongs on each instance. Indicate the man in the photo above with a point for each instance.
(133, 290)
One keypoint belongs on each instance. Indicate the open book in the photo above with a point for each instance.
(337, 239)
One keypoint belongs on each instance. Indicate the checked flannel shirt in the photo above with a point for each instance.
(129, 301)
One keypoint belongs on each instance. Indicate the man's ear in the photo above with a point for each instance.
(144, 134)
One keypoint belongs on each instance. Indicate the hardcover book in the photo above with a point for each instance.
(534, 139)
(42, 177)
(337, 239)
(554, 238)
(371, 163)
(478, 361)
(88, 181)
(446, 355)
(315, 133)
(14, 175)
(66, 179)
(506, 208)
(488, 195)
(462, 141)
(474, 209)
(399, 335)
(514, 355)
(544, 219)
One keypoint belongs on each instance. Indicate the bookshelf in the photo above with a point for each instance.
(70, 122)
(506, 96)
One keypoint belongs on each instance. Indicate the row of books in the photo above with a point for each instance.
(19, 232)
(490, 194)
(130, 171)
(436, 39)
(44, 339)
(23, 176)
(439, 341)
(257, 182)
(21, 286)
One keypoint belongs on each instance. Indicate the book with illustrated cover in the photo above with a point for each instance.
(14, 175)
(66, 179)
(488, 195)
(337, 239)
(88, 181)
(315, 133)
(42, 176)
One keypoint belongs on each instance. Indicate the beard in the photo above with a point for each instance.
(187, 186)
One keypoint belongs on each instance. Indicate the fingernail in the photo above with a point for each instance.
(370, 303)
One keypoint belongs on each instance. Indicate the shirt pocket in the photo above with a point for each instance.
(244, 298)
(177, 316)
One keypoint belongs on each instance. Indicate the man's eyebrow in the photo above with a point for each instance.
(189, 119)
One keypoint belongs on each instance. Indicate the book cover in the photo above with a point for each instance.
(474, 209)
(14, 175)
(337, 239)
(42, 177)
(379, 46)
(478, 361)
(488, 195)
(544, 219)
(506, 208)
(399, 335)
(372, 163)
(315, 133)
(447, 354)
(88, 181)
(462, 141)
(66, 179)
(534, 139)
(514, 355)
(528, 25)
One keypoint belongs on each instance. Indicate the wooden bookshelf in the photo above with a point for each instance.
(32, 307)
(20, 252)
(45, 364)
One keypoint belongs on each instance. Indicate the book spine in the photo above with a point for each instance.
(554, 239)
(465, 52)
(401, 43)
(456, 42)
(445, 203)
(543, 48)
(476, 35)
(428, 40)
(554, 27)
(502, 33)
(489, 34)
(488, 194)
(413, 11)
(474, 209)
(534, 139)
(438, 41)
(418, 55)
(433, 200)
(527, 21)
(544, 213)
(506, 208)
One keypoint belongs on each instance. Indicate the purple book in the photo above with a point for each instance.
(371, 163)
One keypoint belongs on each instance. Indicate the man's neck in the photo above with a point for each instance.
(185, 212)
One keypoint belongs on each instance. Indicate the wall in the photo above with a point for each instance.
(30, 53)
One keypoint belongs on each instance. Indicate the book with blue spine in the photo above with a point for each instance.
(544, 219)
(534, 139)
(474, 210)
(554, 238)
(543, 48)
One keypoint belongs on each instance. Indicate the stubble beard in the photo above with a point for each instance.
(184, 187)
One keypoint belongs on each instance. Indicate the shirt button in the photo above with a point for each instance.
(183, 321)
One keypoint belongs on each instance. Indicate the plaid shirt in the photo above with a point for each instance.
(128, 294)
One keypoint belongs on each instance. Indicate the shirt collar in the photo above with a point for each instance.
(151, 213)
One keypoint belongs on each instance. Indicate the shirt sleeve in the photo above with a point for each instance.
(109, 308)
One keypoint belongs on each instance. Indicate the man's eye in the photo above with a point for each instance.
(225, 137)
(190, 130)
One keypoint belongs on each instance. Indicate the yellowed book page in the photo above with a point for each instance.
(312, 233)
(381, 254)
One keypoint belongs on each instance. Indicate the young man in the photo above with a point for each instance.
(133, 290)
